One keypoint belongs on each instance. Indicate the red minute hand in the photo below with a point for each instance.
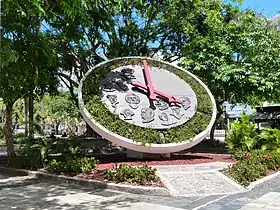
(149, 83)
(171, 99)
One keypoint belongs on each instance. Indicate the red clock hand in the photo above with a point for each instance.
(149, 83)
(171, 99)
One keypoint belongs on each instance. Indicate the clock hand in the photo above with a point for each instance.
(171, 99)
(149, 83)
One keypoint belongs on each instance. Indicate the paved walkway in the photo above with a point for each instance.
(29, 193)
(198, 180)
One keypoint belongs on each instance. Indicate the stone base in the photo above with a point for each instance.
(142, 155)
(134, 154)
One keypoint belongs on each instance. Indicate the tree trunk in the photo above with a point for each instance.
(89, 131)
(8, 131)
(31, 116)
(26, 106)
(56, 128)
(212, 132)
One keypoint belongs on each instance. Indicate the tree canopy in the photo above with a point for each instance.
(235, 52)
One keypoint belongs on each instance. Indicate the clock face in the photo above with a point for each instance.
(148, 96)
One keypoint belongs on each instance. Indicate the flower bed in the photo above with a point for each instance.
(110, 163)
(253, 166)
(99, 176)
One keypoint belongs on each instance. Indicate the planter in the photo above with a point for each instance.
(194, 130)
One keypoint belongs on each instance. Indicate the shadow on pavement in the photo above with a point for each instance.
(38, 194)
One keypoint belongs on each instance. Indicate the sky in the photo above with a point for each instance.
(269, 8)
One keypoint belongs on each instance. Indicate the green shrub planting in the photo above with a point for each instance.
(126, 173)
(73, 166)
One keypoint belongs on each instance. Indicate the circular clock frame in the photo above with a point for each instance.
(130, 143)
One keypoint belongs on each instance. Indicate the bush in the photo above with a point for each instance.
(247, 170)
(73, 166)
(270, 159)
(19, 138)
(242, 136)
(251, 166)
(32, 155)
(269, 139)
(126, 173)
(36, 153)
(67, 148)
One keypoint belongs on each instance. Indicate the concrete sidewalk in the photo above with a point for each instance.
(24, 192)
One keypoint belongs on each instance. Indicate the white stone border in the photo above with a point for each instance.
(252, 185)
(260, 181)
(231, 181)
(137, 146)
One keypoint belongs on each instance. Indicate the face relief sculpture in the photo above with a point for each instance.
(148, 96)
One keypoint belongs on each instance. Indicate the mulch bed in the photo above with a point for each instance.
(175, 159)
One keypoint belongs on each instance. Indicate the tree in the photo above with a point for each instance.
(236, 53)
(28, 57)
(90, 32)
(58, 109)
(94, 32)
(276, 20)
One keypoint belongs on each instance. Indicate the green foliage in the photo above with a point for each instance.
(32, 155)
(254, 165)
(58, 109)
(184, 132)
(242, 136)
(73, 166)
(270, 159)
(29, 55)
(67, 149)
(126, 173)
(19, 138)
(31, 63)
(1, 133)
(35, 154)
(235, 52)
(269, 139)
(247, 170)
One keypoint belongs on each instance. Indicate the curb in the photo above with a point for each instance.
(231, 181)
(260, 181)
(155, 191)
(252, 185)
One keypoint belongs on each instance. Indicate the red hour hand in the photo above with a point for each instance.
(171, 99)
(149, 83)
